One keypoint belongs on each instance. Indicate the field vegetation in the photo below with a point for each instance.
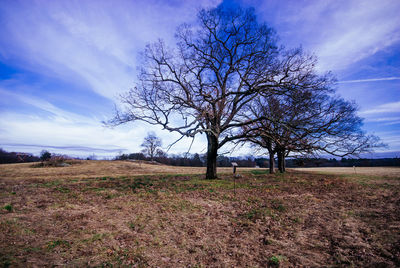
(368, 171)
(120, 213)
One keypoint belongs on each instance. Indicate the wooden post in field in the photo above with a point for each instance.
(234, 165)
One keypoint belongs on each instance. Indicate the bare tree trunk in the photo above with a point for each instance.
(271, 163)
(281, 161)
(212, 149)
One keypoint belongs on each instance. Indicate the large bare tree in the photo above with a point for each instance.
(203, 85)
(308, 121)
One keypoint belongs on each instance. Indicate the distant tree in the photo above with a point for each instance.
(45, 155)
(13, 157)
(137, 156)
(122, 157)
(261, 162)
(92, 157)
(151, 145)
(196, 161)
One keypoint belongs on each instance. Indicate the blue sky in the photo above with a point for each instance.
(64, 63)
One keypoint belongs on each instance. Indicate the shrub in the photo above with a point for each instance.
(56, 161)
(45, 155)
(276, 260)
(8, 207)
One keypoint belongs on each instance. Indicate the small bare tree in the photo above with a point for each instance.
(151, 145)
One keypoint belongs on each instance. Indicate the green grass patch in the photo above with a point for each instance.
(5, 260)
(96, 237)
(51, 183)
(139, 223)
(276, 260)
(62, 189)
(57, 243)
(32, 249)
(278, 205)
(140, 183)
(258, 213)
(94, 189)
(8, 207)
(259, 171)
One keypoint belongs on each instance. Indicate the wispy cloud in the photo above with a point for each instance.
(340, 32)
(383, 119)
(55, 112)
(369, 80)
(88, 42)
(63, 134)
(90, 46)
(70, 136)
(392, 107)
(68, 148)
(392, 123)
(357, 29)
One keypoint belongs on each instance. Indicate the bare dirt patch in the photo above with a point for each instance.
(287, 220)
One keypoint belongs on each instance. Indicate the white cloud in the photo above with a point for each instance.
(383, 119)
(88, 42)
(93, 44)
(33, 131)
(358, 29)
(392, 139)
(392, 123)
(369, 80)
(392, 107)
(339, 32)
(56, 113)
(75, 134)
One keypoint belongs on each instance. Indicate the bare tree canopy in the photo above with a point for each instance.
(206, 84)
(307, 122)
(151, 145)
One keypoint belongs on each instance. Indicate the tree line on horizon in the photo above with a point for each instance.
(199, 160)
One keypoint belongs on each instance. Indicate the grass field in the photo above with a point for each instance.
(369, 171)
(90, 169)
(115, 213)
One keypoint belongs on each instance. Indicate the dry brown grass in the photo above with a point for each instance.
(370, 171)
(90, 169)
(116, 217)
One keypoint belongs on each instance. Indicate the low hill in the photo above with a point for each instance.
(97, 168)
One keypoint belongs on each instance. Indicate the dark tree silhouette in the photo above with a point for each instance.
(203, 86)
(306, 121)
(151, 145)
(14, 157)
(45, 155)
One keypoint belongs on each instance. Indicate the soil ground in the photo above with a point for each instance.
(110, 216)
